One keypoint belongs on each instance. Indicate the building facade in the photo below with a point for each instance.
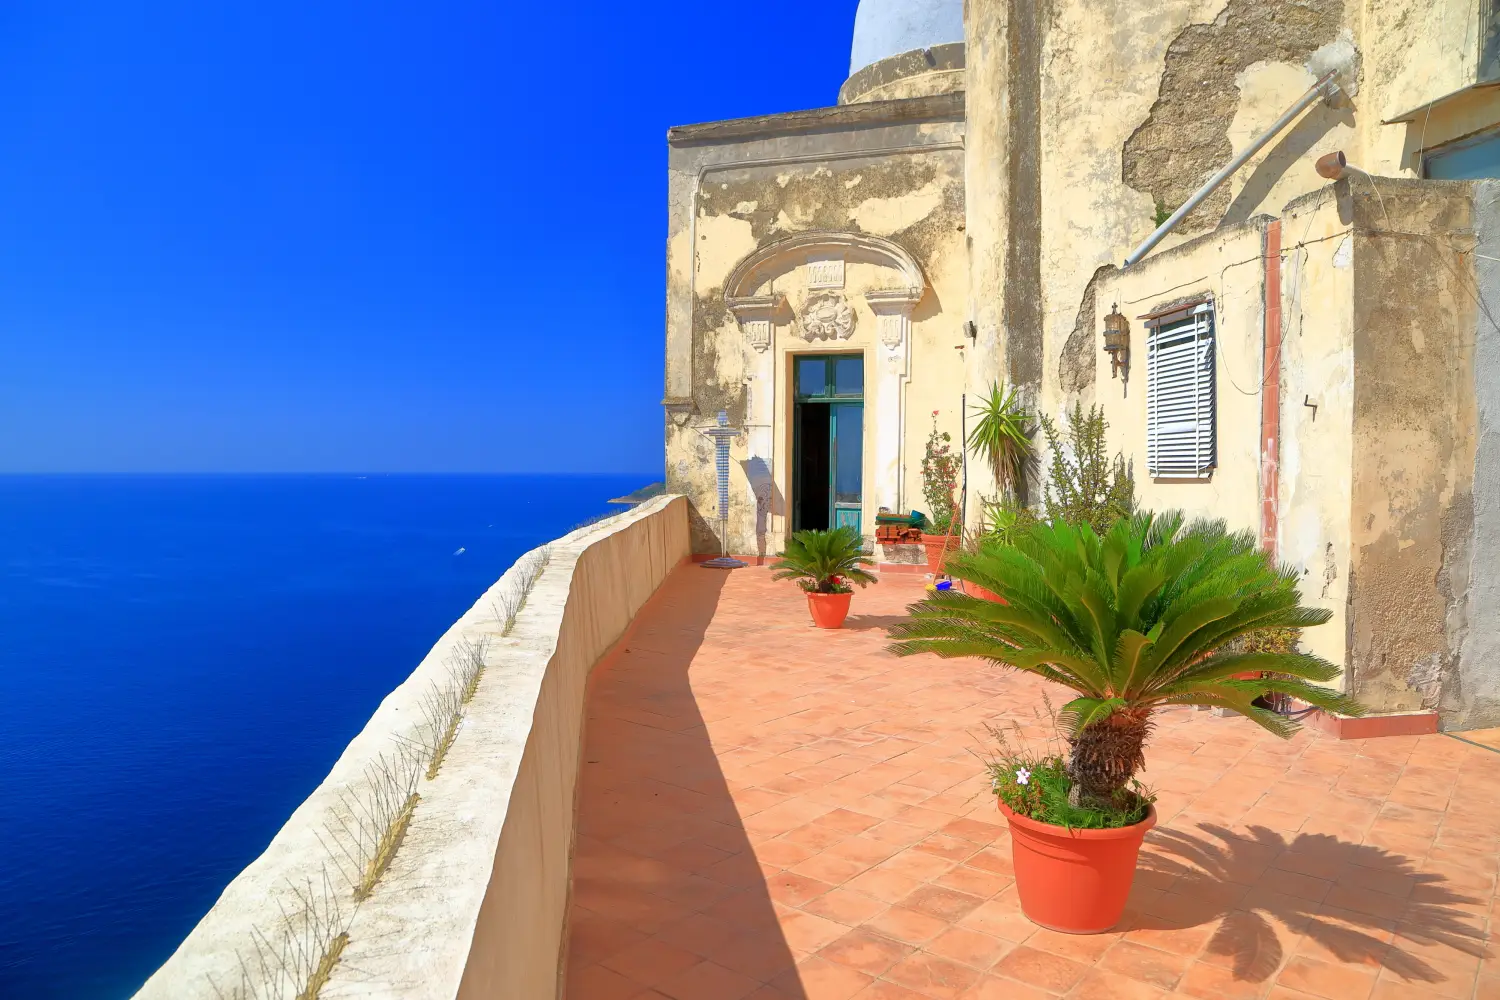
(1311, 355)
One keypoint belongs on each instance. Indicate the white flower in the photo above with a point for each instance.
(1022, 776)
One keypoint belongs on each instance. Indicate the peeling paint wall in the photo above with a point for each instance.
(1414, 435)
(1100, 66)
(1208, 88)
(899, 181)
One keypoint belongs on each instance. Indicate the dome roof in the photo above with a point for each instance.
(885, 28)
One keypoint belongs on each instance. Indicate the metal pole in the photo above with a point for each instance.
(1223, 175)
(963, 447)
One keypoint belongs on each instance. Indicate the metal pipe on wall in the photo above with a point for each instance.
(1270, 395)
(1318, 90)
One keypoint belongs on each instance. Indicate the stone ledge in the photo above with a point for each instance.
(1348, 727)
(938, 107)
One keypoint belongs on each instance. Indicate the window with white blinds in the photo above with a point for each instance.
(1180, 396)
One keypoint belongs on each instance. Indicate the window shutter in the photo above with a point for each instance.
(1180, 397)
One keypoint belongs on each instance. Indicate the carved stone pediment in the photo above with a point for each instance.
(826, 315)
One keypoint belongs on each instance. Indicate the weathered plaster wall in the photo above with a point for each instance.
(1414, 53)
(1227, 267)
(1100, 68)
(888, 177)
(1471, 695)
(1317, 405)
(474, 903)
(1413, 438)
(1219, 77)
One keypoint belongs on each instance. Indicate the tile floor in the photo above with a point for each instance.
(772, 811)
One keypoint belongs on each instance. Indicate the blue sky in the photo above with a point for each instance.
(293, 235)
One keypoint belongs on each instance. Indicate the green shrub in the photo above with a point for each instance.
(1145, 617)
(825, 562)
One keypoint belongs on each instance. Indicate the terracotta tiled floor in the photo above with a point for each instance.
(772, 811)
(1484, 737)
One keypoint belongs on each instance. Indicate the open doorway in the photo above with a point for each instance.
(828, 441)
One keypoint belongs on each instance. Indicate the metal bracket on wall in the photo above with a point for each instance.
(1307, 402)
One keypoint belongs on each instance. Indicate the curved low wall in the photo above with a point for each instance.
(474, 903)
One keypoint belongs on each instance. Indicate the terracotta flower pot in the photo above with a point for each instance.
(1074, 881)
(975, 590)
(829, 610)
(937, 547)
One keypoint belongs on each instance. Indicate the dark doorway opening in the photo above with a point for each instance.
(813, 467)
(828, 442)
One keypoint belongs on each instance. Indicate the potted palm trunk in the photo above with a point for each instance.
(825, 564)
(1147, 616)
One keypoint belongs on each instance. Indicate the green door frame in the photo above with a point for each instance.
(828, 392)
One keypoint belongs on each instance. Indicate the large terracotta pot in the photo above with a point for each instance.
(937, 547)
(829, 610)
(1074, 881)
(975, 590)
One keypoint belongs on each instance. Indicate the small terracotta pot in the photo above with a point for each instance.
(1074, 881)
(829, 610)
(975, 590)
(937, 547)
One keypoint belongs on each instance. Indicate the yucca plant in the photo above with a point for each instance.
(825, 562)
(1002, 437)
(1147, 616)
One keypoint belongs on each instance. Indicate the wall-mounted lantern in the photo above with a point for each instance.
(1117, 343)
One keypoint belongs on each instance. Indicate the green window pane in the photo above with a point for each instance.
(849, 376)
(848, 444)
(812, 377)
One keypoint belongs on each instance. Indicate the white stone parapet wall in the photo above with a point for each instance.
(474, 904)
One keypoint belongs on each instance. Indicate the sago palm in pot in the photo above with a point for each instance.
(826, 564)
(1145, 617)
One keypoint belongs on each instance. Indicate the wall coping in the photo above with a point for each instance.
(411, 938)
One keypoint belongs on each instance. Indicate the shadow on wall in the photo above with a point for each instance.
(768, 499)
(1292, 146)
(667, 892)
(1357, 904)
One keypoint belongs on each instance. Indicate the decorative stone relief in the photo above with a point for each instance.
(756, 314)
(826, 316)
(892, 308)
(825, 272)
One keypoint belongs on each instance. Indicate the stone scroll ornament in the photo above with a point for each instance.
(827, 316)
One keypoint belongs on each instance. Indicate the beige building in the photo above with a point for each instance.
(1313, 356)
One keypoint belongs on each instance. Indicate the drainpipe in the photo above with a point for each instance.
(1320, 89)
(1270, 394)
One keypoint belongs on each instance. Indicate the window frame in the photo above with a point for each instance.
(830, 392)
(1195, 320)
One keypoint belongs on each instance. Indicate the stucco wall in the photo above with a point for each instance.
(1140, 103)
(474, 903)
(1317, 406)
(1471, 695)
(879, 176)
(1413, 437)
(1227, 267)
(1415, 53)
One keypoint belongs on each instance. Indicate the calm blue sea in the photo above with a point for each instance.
(183, 658)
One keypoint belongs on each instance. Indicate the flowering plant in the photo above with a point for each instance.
(940, 469)
(1036, 785)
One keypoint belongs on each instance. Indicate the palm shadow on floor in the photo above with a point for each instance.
(1358, 904)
